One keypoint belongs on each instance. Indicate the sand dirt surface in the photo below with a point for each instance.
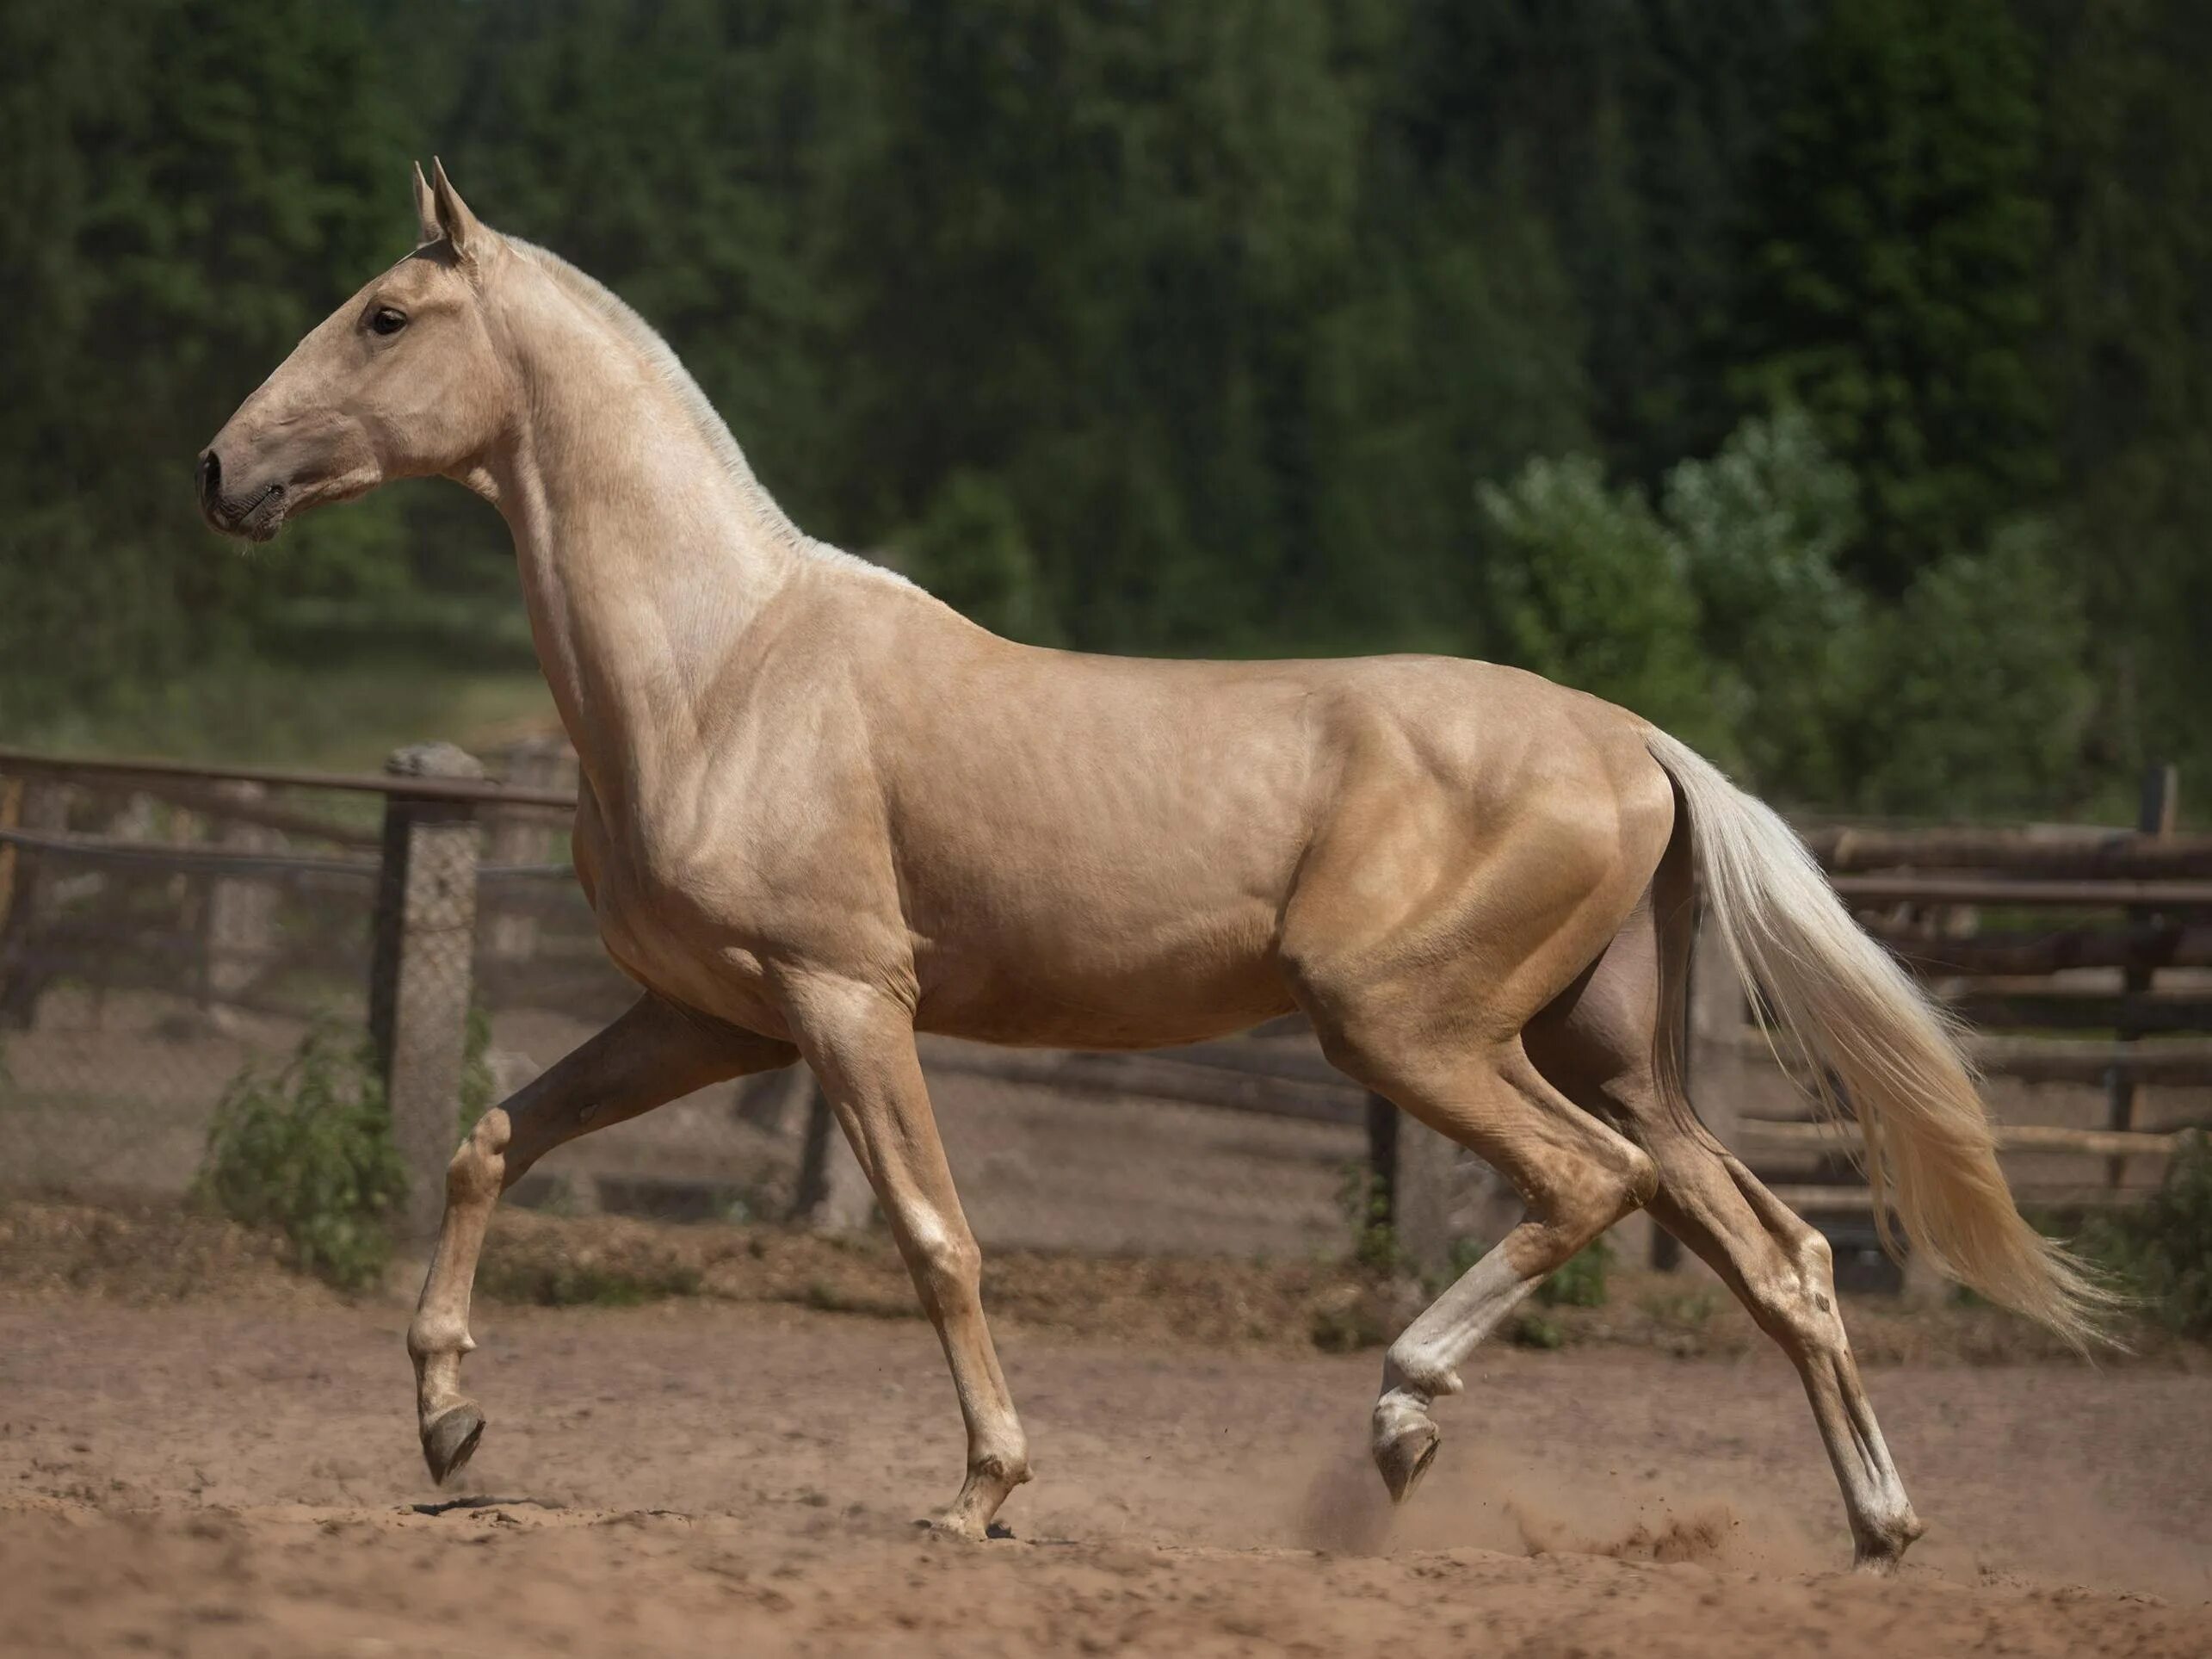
(235, 1478)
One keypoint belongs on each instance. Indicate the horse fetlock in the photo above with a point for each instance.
(1412, 1370)
(429, 1337)
(1880, 1547)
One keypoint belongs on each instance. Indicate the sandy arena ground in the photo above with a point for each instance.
(235, 1476)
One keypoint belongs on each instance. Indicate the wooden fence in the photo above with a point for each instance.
(2082, 959)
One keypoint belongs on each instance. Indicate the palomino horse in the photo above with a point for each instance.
(820, 811)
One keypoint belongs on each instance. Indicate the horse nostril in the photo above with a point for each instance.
(211, 479)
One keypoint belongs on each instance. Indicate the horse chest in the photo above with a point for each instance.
(707, 922)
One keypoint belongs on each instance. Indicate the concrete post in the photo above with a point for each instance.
(420, 979)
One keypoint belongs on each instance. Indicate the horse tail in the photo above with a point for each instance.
(1879, 1049)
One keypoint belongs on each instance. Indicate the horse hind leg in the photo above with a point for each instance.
(1601, 1043)
(1577, 1178)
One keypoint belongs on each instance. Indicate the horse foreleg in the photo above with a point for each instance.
(861, 1044)
(655, 1053)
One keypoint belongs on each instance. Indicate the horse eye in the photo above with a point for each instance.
(388, 321)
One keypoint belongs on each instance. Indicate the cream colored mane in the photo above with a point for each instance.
(603, 302)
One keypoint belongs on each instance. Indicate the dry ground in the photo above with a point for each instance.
(207, 1457)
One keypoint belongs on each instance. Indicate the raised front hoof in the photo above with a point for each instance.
(450, 1441)
(1403, 1448)
(1879, 1554)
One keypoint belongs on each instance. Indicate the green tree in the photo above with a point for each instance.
(1983, 691)
(970, 550)
(1594, 592)
(1894, 289)
(191, 186)
(1762, 527)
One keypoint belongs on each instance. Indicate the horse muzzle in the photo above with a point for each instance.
(251, 509)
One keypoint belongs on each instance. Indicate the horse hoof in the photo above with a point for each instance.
(1404, 1455)
(1881, 1556)
(450, 1441)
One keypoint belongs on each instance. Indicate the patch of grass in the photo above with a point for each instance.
(1689, 1311)
(1530, 1329)
(1348, 1326)
(552, 1283)
(347, 716)
(1581, 1283)
(2162, 1252)
(824, 1297)
(308, 1151)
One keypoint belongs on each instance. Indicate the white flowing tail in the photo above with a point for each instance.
(1874, 1038)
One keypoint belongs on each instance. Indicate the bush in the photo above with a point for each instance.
(1581, 1283)
(309, 1152)
(2163, 1251)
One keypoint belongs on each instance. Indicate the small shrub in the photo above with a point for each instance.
(2163, 1251)
(1681, 1310)
(1349, 1325)
(1581, 1283)
(309, 1153)
(552, 1283)
(1364, 1198)
(1531, 1329)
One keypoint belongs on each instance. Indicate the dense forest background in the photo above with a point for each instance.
(1830, 381)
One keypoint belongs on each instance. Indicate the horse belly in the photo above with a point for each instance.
(1084, 988)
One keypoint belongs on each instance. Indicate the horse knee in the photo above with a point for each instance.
(945, 1260)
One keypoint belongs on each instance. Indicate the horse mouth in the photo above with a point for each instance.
(259, 520)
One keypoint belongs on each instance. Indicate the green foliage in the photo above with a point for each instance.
(970, 551)
(1762, 527)
(1984, 694)
(1594, 592)
(2162, 1253)
(309, 1152)
(559, 1282)
(1581, 1283)
(1364, 1197)
(1894, 286)
(1224, 328)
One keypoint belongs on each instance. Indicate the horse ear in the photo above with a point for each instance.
(427, 228)
(460, 227)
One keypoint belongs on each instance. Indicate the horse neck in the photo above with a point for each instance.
(644, 556)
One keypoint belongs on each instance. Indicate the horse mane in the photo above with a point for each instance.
(611, 309)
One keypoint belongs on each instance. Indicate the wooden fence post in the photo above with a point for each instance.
(41, 805)
(420, 979)
(2161, 801)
